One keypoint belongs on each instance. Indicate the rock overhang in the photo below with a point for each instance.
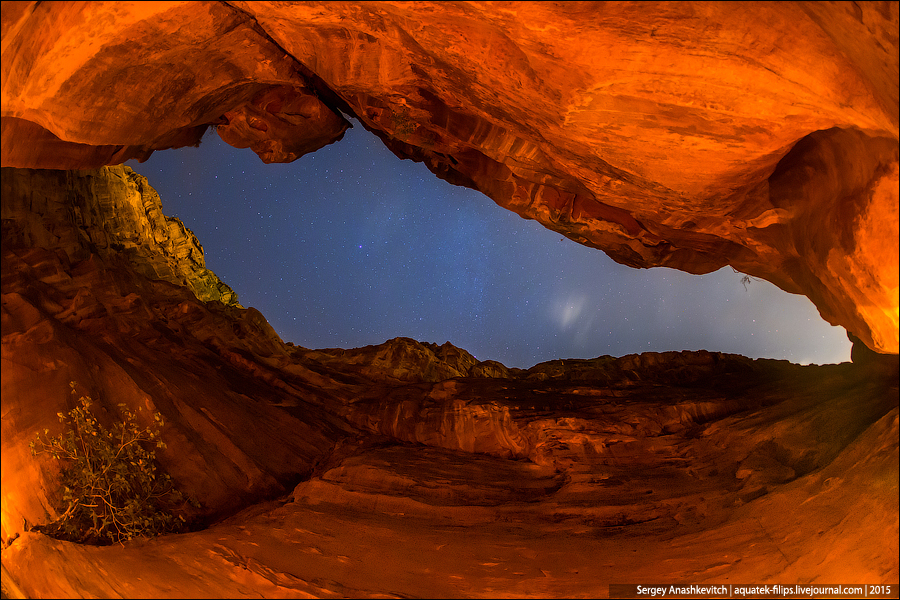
(692, 135)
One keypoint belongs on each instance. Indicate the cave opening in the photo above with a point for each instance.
(350, 246)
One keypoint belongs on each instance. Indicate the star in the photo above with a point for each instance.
(445, 263)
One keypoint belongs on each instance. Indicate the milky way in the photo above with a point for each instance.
(351, 246)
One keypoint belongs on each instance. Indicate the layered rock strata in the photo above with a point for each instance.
(691, 135)
(112, 212)
(411, 469)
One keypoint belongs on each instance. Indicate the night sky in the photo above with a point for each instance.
(351, 246)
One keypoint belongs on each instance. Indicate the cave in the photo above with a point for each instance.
(689, 135)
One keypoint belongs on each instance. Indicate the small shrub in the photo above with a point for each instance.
(403, 124)
(111, 491)
(745, 279)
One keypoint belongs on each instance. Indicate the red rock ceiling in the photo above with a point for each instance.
(688, 135)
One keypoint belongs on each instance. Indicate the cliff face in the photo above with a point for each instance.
(408, 468)
(111, 212)
(687, 135)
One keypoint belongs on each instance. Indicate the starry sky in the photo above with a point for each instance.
(351, 246)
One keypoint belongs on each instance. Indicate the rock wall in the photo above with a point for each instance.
(691, 135)
(112, 212)
(408, 468)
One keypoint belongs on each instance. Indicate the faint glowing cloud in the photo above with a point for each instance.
(566, 311)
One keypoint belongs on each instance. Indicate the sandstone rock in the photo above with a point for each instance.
(112, 212)
(490, 481)
(691, 135)
(112, 304)
(489, 485)
(881, 366)
(688, 135)
(400, 359)
(281, 124)
(491, 368)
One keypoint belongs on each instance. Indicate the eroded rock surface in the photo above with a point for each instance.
(691, 135)
(112, 212)
(411, 469)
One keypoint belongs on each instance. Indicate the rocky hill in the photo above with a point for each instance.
(112, 212)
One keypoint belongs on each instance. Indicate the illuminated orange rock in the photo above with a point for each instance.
(281, 124)
(119, 215)
(688, 135)
(85, 299)
(411, 468)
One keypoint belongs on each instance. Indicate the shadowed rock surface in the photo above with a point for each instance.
(689, 135)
